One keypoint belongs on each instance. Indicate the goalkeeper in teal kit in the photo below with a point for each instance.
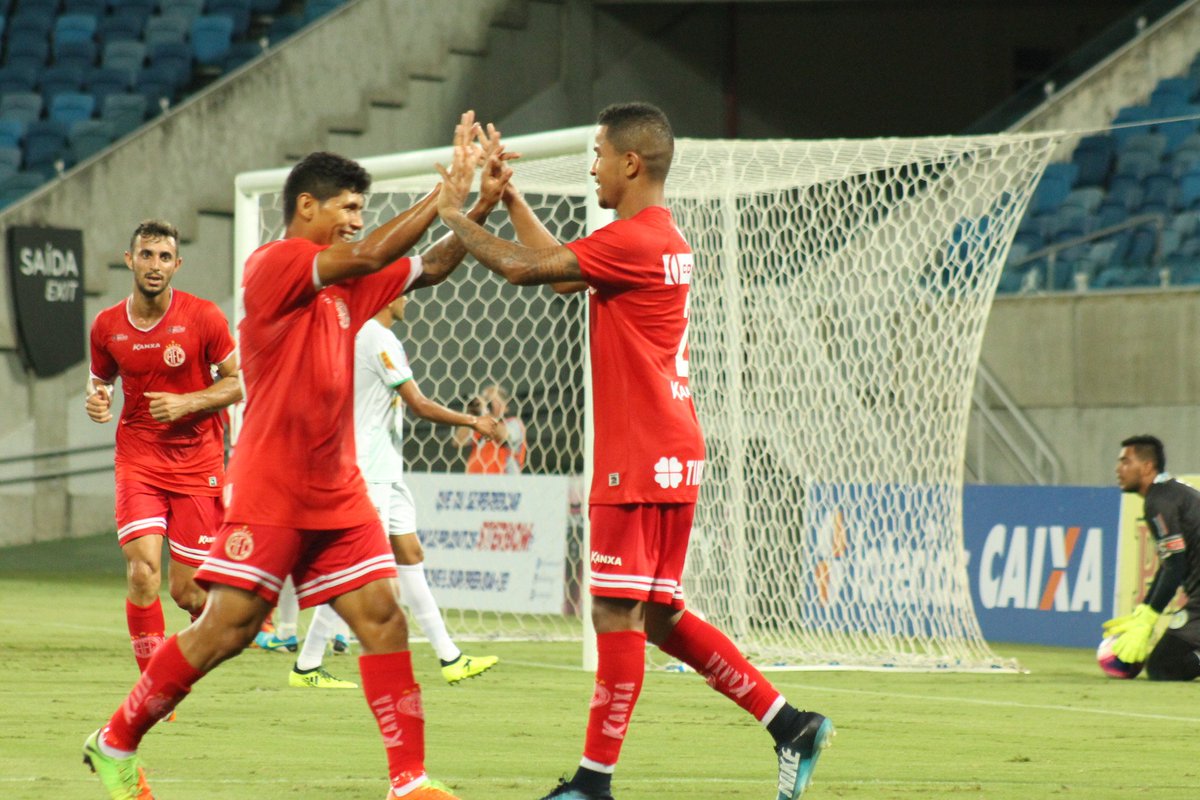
(1172, 513)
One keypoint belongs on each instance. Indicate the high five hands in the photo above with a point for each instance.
(474, 147)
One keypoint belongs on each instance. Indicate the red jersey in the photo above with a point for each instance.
(294, 463)
(648, 444)
(176, 355)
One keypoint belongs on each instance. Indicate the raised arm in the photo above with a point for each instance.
(532, 233)
(227, 390)
(382, 246)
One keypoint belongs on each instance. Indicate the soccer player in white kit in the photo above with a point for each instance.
(382, 378)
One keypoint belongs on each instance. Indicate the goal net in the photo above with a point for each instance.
(838, 306)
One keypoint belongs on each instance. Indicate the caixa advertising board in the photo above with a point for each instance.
(1042, 561)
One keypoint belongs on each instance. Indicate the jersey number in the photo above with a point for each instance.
(681, 362)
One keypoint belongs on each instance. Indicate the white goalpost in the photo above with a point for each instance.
(839, 300)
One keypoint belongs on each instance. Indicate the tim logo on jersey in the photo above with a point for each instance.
(677, 269)
(670, 472)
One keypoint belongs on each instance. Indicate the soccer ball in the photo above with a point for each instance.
(1114, 667)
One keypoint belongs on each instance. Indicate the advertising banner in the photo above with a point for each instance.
(46, 274)
(1043, 561)
(493, 542)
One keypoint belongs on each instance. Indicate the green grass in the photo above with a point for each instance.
(1060, 731)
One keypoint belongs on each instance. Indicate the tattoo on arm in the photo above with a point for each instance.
(513, 262)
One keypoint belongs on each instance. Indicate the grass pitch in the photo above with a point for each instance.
(1061, 731)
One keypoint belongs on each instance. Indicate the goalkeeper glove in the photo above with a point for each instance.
(1133, 634)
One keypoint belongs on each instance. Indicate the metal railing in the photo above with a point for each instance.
(36, 475)
(1004, 429)
(1050, 252)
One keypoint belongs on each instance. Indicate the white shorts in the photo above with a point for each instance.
(394, 504)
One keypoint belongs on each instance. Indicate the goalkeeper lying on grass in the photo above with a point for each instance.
(1172, 513)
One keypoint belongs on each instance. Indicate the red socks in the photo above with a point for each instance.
(146, 630)
(395, 699)
(710, 652)
(620, 671)
(167, 679)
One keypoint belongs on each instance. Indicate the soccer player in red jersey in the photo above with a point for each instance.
(170, 451)
(296, 503)
(649, 451)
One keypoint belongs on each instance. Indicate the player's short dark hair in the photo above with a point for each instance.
(153, 229)
(1148, 448)
(643, 129)
(323, 175)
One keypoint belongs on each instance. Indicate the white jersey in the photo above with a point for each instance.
(380, 365)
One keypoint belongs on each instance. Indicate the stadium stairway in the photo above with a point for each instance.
(410, 67)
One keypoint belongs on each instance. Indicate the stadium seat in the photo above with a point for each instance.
(74, 28)
(1122, 127)
(1125, 190)
(240, 53)
(1086, 197)
(1160, 189)
(10, 160)
(124, 54)
(1189, 187)
(314, 9)
(88, 138)
(72, 107)
(1170, 91)
(236, 10)
(186, 9)
(12, 132)
(1093, 158)
(165, 30)
(142, 8)
(25, 106)
(1135, 164)
(28, 52)
(103, 81)
(1053, 188)
(1111, 212)
(1154, 144)
(282, 27)
(1142, 247)
(1070, 222)
(120, 27)
(45, 143)
(170, 62)
(56, 80)
(123, 112)
(1185, 224)
(212, 38)
(94, 7)
(14, 187)
(81, 55)
(17, 79)
(32, 23)
(158, 91)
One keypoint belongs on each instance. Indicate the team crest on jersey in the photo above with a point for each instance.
(173, 354)
(177, 329)
(240, 544)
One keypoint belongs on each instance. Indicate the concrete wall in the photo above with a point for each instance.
(1091, 369)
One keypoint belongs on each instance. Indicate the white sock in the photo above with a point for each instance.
(287, 611)
(414, 592)
(320, 631)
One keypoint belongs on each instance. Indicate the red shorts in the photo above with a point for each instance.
(638, 551)
(189, 521)
(323, 564)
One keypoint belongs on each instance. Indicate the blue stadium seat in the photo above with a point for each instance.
(124, 54)
(88, 138)
(1111, 212)
(158, 91)
(170, 61)
(1093, 157)
(45, 143)
(103, 81)
(74, 28)
(1125, 190)
(1129, 116)
(319, 8)
(58, 79)
(94, 7)
(72, 107)
(1054, 187)
(1160, 189)
(282, 27)
(1086, 197)
(165, 30)
(1141, 247)
(186, 9)
(1189, 188)
(1135, 164)
(33, 23)
(81, 55)
(25, 106)
(1171, 91)
(17, 79)
(1185, 224)
(123, 112)
(120, 27)
(236, 10)
(1154, 144)
(143, 8)
(240, 53)
(12, 132)
(212, 38)
(1070, 222)
(10, 160)
(27, 51)
(17, 186)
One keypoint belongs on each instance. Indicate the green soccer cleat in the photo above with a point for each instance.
(466, 666)
(317, 678)
(123, 778)
(798, 755)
